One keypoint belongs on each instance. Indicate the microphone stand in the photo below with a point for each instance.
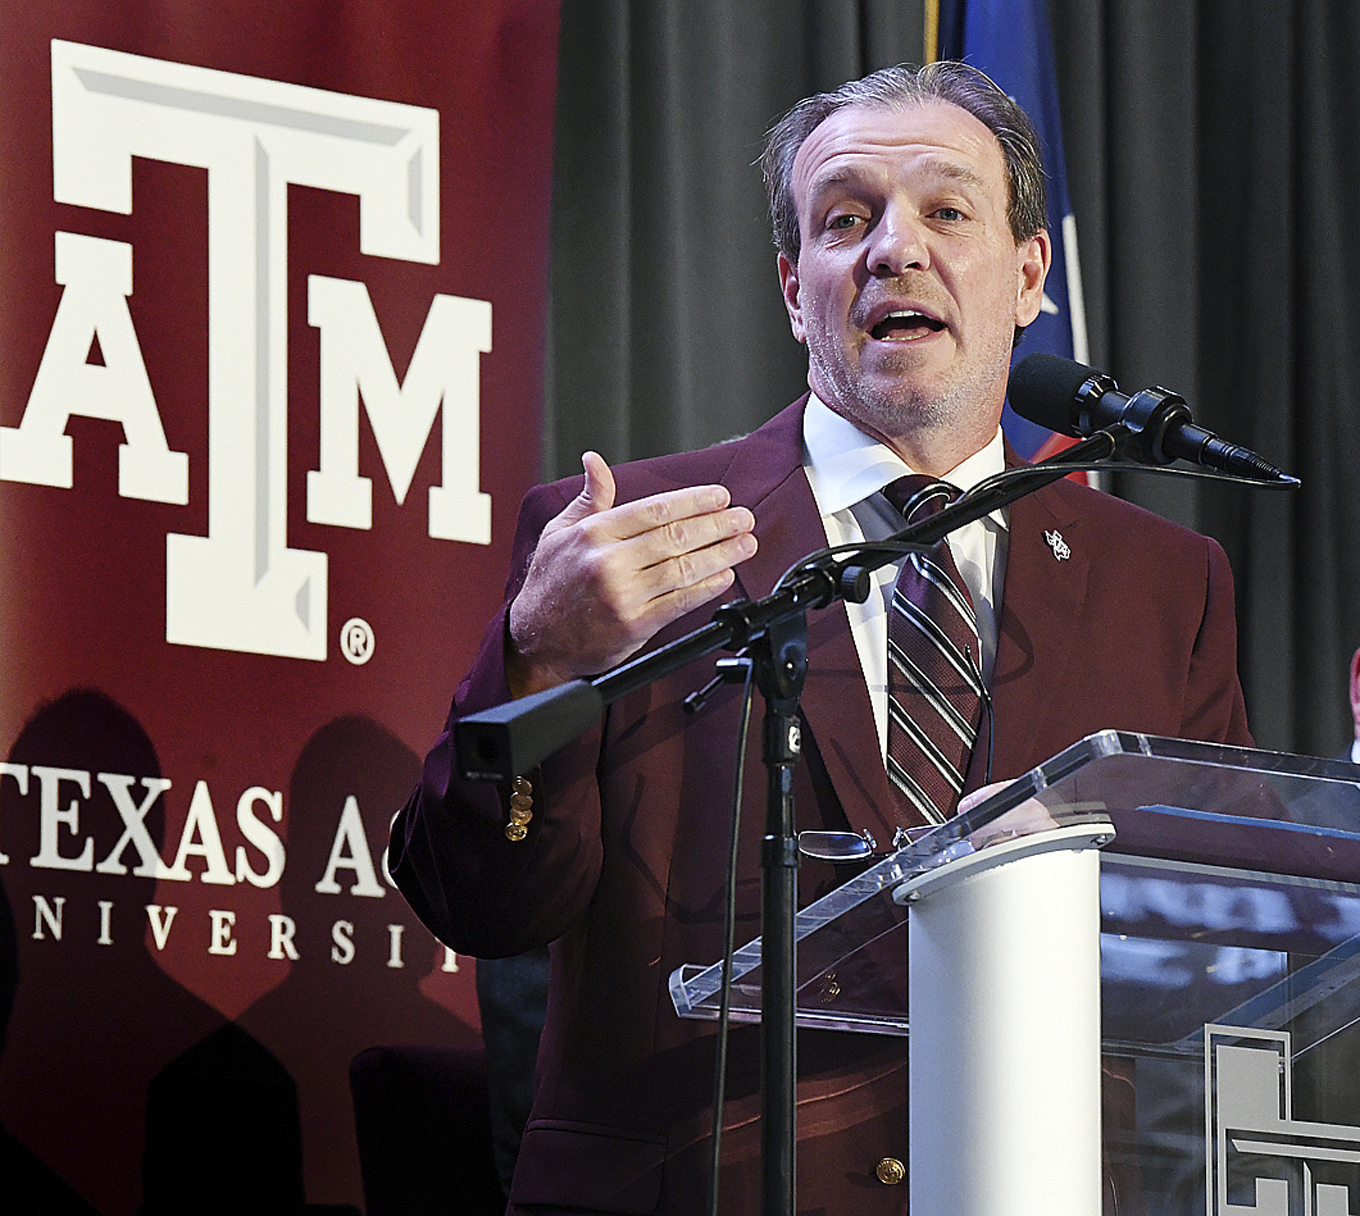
(501, 743)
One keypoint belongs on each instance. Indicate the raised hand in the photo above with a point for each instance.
(604, 579)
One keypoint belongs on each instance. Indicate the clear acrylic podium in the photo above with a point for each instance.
(1135, 978)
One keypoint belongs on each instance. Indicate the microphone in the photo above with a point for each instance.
(1073, 399)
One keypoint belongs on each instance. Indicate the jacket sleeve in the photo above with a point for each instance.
(476, 890)
(1214, 708)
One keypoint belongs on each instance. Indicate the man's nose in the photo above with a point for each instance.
(898, 245)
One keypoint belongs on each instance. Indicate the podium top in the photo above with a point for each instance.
(1215, 850)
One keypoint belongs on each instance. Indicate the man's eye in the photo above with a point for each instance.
(950, 214)
(843, 221)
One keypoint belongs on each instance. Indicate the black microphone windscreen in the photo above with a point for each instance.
(1043, 389)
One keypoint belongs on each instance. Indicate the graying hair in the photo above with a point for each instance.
(898, 88)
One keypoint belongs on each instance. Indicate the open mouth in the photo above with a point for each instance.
(904, 325)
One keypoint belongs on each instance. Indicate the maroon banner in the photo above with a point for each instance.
(274, 284)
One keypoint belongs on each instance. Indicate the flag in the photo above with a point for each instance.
(1010, 41)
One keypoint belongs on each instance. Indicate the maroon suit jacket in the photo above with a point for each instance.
(623, 867)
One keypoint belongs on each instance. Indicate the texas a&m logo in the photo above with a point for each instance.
(241, 587)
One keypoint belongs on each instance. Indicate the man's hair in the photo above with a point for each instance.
(900, 88)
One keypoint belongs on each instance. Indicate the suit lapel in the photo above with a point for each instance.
(1047, 571)
(768, 477)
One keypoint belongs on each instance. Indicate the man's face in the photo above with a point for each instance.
(909, 284)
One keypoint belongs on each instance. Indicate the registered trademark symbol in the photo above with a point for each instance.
(356, 640)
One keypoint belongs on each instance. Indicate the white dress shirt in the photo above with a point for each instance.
(846, 469)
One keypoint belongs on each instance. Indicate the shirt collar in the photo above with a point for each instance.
(845, 465)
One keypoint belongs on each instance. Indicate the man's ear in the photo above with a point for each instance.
(789, 285)
(1033, 258)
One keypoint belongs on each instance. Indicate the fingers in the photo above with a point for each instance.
(656, 558)
(971, 799)
(605, 578)
(659, 511)
(662, 543)
(688, 561)
(1024, 819)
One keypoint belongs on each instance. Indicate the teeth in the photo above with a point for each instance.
(910, 318)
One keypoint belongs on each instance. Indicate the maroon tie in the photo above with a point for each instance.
(934, 676)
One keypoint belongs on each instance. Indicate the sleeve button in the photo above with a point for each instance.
(890, 1171)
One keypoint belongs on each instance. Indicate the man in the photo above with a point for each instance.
(908, 212)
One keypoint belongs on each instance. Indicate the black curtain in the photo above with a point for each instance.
(1210, 146)
(667, 330)
(1213, 150)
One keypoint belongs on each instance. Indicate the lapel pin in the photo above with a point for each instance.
(1058, 545)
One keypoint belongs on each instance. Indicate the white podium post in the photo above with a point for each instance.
(1004, 1009)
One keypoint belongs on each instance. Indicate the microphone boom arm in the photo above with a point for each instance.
(508, 740)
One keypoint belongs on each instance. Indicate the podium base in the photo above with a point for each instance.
(1004, 957)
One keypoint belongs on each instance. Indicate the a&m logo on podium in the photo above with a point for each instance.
(1298, 1168)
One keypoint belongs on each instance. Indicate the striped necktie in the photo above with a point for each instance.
(934, 677)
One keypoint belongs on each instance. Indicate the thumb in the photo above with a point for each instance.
(596, 495)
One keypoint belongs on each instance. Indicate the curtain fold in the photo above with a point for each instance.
(1213, 144)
